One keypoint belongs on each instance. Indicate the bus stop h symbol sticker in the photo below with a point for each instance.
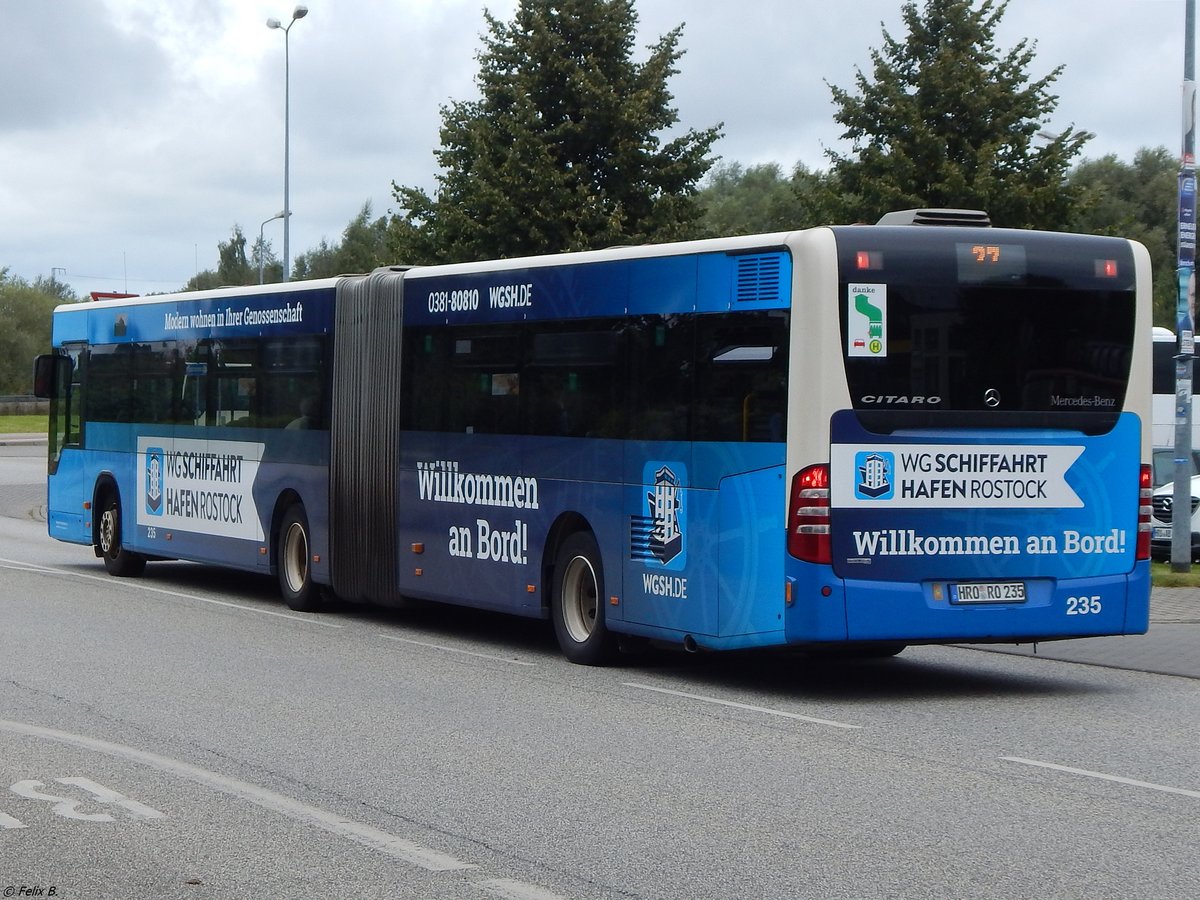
(866, 320)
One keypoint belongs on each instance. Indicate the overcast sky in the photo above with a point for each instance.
(135, 133)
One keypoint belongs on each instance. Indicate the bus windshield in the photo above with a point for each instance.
(1014, 334)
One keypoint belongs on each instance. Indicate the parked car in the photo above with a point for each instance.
(1163, 464)
(1162, 520)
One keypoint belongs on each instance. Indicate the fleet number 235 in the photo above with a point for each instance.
(1083, 606)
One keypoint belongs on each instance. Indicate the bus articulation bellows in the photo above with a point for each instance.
(860, 436)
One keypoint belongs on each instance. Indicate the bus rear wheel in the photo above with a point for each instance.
(295, 572)
(117, 560)
(577, 602)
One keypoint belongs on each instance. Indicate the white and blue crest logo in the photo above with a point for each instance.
(874, 468)
(154, 474)
(660, 538)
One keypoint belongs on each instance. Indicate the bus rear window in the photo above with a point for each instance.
(1013, 335)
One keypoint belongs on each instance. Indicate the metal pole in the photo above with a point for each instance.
(1181, 518)
(261, 244)
(298, 13)
(287, 204)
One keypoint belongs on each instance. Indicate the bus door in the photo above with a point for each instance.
(60, 379)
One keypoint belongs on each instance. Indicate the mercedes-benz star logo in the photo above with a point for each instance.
(991, 398)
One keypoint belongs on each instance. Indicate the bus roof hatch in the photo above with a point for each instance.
(968, 217)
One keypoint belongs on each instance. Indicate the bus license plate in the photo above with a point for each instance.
(988, 592)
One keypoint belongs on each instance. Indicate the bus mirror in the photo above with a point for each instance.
(49, 372)
(43, 376)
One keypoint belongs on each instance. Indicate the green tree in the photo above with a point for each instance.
(52, 287)
(949, 120)
(746, 201)
(563, 150)
(206, 280)
(319, 262)
(363, 247)
(234, 268)
(25, 310)
(1138, 201)
(760, 199)
(263, 254)
(364, 242)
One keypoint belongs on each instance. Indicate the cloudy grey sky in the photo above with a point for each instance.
(135, 133)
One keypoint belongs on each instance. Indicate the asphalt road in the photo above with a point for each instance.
(186, 735)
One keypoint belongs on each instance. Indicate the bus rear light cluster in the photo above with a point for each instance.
(808, 515)
(1144, 509)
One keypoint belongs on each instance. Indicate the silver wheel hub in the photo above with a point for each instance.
(295, 557)
(108, 531)
(580, 604)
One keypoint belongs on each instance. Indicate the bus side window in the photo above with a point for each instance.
(427, 402)
(156, 375)
(662, 367)
(236, 382)
(485, 379)
(741, 378)
(574, 382)
(57, 378)
(110, 379)
(293, 396)
(72, 396)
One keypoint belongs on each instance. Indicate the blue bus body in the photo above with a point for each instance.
(721, 582)
(710, 421)
(194, 512)
(1058, 518)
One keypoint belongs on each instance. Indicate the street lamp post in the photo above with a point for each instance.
(261, 248)
(298, 13)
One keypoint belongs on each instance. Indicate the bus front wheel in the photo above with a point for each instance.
(117, 560)
(577, 602)
(295, 572)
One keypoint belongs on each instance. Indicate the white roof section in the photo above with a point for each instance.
(611, 254)
(256, 290)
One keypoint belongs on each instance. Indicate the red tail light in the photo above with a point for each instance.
(1144, 507)
(808, 516)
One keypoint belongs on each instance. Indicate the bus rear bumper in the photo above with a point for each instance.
(928, 612)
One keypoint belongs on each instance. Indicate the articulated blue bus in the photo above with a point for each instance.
(860, 436)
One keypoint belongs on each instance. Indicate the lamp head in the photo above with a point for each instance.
(274, 23)
(299, 12)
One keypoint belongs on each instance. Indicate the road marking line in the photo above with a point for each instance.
(1133, 782)
(517, 890)
(746, 706)
(63, 806)
(108, 795)
(367, 835)
(129, 583)
(503, 659)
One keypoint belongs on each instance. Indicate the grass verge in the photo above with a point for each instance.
(22, 424)
(1162, 576)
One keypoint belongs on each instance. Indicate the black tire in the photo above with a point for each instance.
(577, 603)
(293, 562)
(117, 560)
